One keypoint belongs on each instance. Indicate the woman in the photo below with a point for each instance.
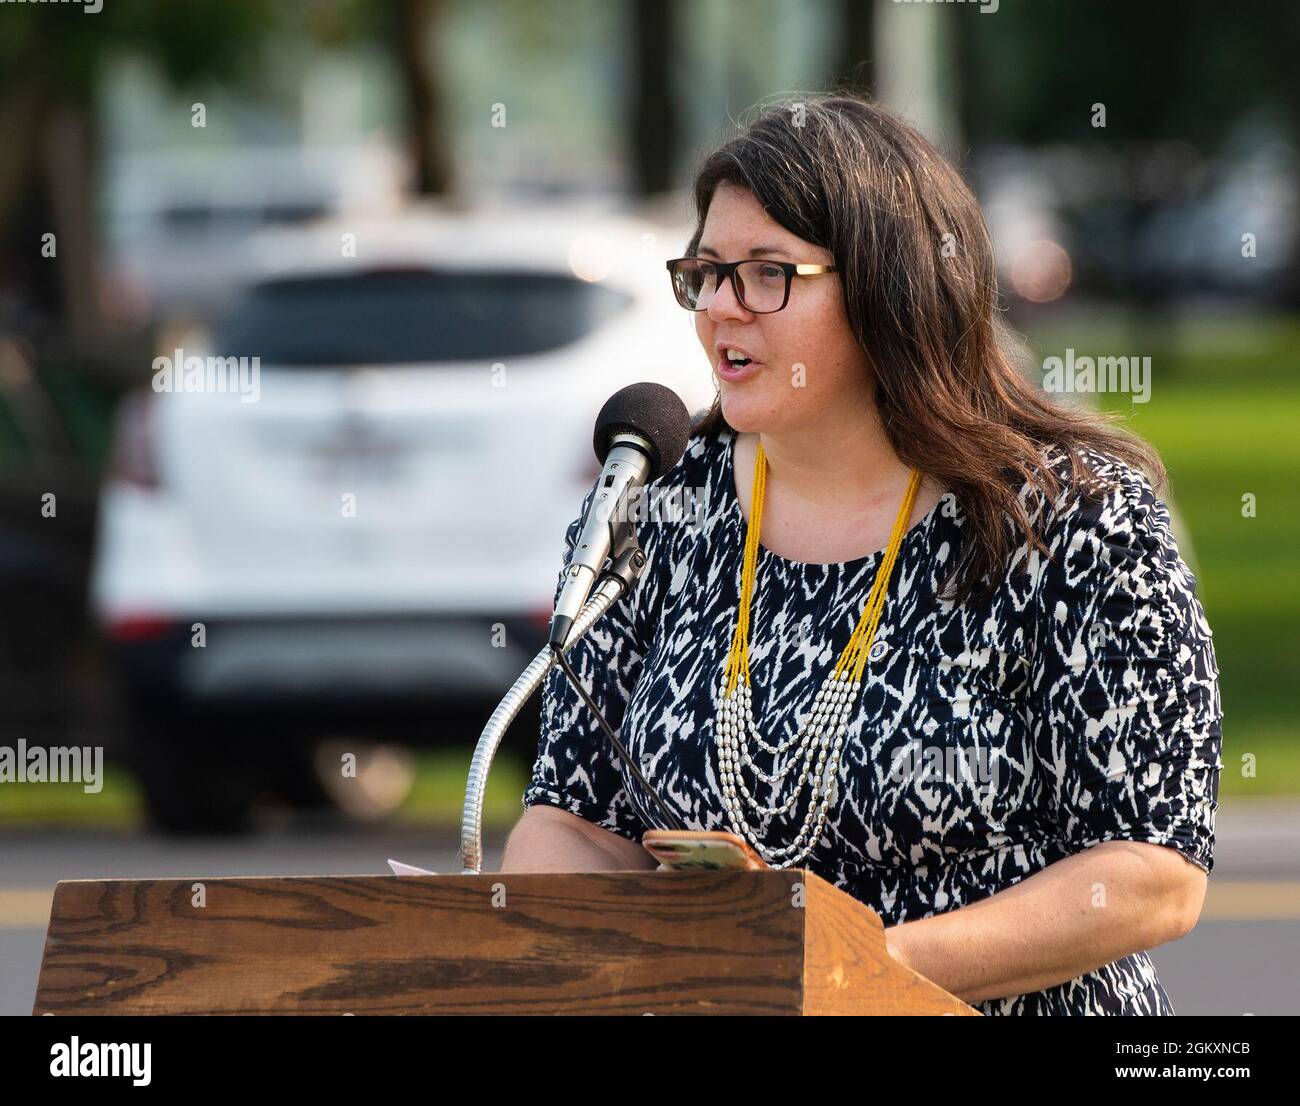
(1020, 695)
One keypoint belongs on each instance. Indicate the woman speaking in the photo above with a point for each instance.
(929, 634)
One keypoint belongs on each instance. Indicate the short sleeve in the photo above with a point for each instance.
(576, 768)
(1125, 696)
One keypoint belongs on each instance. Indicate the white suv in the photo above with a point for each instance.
(370, 525)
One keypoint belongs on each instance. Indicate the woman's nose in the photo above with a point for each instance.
(725, 305)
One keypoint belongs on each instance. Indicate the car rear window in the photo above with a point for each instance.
(396, 317)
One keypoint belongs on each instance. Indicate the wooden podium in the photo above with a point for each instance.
(636, 942)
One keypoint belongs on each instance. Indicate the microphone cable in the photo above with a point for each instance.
(673, 821)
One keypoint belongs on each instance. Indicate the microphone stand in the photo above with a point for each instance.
(613, 583)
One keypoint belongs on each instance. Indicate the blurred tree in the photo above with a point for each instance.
(1188, 70)
(53, 60)
(655, 116)
(408, 30)
(856, 40)
(412, 27)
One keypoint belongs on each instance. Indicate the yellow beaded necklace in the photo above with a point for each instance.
(854, 657)
(818, 742)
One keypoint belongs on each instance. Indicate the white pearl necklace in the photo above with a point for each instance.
(817, 744)
(821, 738)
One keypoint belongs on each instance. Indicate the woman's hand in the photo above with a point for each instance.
(547, 839)
(894, 944)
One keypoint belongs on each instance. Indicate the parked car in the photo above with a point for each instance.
(376, 533)
(181, 228)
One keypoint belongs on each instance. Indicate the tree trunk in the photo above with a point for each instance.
(71, 170)
(414, 26)
(856, 65)
(655, 118)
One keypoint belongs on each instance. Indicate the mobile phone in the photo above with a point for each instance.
(709, 849)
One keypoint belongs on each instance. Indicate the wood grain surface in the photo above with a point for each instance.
(612, 942)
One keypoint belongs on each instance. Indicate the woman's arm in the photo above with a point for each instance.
(1124, 717)
(547, 839)
(1116, 898)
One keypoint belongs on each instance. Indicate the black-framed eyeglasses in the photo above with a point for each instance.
(761, 286)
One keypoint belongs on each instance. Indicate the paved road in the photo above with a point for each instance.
(1244, 956)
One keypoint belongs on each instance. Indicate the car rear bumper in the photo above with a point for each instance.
(379, 659)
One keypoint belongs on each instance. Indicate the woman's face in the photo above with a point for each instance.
(805, 363)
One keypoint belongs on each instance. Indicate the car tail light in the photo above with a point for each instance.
(140, 627)
(134, 457)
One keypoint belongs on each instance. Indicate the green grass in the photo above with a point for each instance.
(1224, 413)
(435, 800)
(116, 804)
(439, 789)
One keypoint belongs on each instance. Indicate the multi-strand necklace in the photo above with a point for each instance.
(816, 746)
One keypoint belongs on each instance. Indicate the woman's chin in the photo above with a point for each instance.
(745, 415)
(746, 410)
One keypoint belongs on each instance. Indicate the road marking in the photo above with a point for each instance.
(25, 908)
(1251, 901)
(1225, 901)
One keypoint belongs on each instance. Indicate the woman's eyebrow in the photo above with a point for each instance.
(757, 251)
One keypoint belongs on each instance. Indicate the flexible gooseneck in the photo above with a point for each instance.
(616, 580)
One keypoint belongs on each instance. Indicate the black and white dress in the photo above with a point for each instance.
(1078, 704)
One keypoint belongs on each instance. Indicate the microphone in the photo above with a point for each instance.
(641, 433)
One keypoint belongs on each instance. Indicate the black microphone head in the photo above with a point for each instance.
(652, 411)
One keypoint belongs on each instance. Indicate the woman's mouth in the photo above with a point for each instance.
(739, 369)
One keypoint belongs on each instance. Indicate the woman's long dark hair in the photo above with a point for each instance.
(842, 173)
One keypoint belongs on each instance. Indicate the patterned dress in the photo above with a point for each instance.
(991, 738)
